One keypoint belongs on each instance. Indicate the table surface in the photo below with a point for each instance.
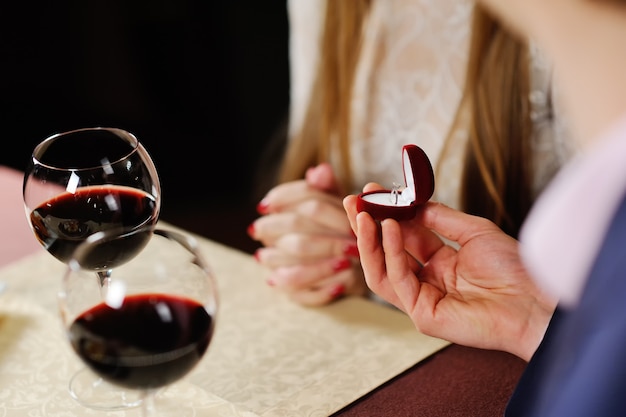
(452, 381)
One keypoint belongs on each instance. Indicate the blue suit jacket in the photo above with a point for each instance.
(580, 367)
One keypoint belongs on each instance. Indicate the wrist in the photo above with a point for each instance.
(537, 327)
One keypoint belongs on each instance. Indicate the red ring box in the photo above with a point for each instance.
(420, 185)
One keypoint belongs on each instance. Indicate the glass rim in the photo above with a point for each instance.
(123, 134)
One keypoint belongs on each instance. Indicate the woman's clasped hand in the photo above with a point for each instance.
(309, 246)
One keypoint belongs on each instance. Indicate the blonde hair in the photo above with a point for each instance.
(494, 110)
(328, 114)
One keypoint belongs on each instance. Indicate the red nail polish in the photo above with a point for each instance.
(270, 282)
(338, 290)
(250, 230)
(341, 264)
(262, 207)
(351, 250)
(257, 255)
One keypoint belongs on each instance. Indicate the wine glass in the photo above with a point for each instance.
(81, 182)
(157, 316)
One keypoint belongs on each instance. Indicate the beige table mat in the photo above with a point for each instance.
(269, 357)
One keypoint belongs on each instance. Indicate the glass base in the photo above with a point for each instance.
(91, 391)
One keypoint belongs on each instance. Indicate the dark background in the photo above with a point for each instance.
(203, 84)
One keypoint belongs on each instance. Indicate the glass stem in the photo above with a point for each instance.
(147, 404)
(104, 278)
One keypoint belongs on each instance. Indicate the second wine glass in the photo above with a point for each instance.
(157, 318)
(81, 182)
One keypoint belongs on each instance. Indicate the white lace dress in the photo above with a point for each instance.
(408, 85)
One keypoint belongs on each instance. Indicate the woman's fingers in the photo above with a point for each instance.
(329, 215)
(319, 282)
(284, 196)
(307, 217)
(322, 177)
(295, 248)
(270, 228)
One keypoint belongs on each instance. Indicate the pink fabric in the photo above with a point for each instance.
(16, 238)
(565, 228)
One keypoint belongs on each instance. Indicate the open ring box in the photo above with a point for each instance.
(402, 204)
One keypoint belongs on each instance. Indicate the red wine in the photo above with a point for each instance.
(65, 221)
(150, 341)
